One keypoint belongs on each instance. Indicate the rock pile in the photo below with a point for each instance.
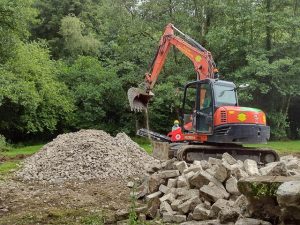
(85, 155)
(206, 190)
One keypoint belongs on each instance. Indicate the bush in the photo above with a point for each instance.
(279, 125)
(3, 143)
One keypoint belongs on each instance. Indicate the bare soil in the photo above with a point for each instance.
(92, 202)
(12, 158)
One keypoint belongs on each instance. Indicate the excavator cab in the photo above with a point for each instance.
(201, 99)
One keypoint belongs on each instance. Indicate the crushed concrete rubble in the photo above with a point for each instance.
(206, 192)
(86, 155)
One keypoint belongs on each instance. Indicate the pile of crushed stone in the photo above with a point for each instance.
(86, 155)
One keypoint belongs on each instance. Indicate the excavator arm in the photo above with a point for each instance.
(202, 59)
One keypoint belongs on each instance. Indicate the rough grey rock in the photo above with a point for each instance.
(241, 203)
(154, 195)
(229, 159)
(169, 174)
(130, 184)
(185, 207)
(153, 207)
(205, 222)
(214, 161)
(251, 167)
(214, 192)
(231, 186)
(154, 182)
(218, 206)
(291, 162)
(163, 188)
(275, 169)
(181, 166)
(166, 208)
(288, 193)
(204, 164)
(172, 183)
(288, 198)
(175, 204)
(187, 193)
(194, 168)
(188, 205)
(238, 173)
(228, 214)
(189, 175)
(168, 197)
(200, 213)
(169, 218)
(218, 171)
(250, 221)
(182, 182)
(169, 164)
(203, 178)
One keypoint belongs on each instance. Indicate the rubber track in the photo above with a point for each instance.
(189, 153)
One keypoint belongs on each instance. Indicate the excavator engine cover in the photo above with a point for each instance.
(138, 98)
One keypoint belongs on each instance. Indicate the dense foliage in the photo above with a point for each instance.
(66, 65)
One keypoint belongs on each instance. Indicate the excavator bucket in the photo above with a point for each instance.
(138, 99)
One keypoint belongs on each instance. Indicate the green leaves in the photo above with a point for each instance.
(99, 98)
(68, 64)
(75, 42)
(32, 99)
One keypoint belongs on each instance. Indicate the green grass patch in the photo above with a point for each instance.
(144, 143)
(280, 146)
(27, 150)
(8, 166)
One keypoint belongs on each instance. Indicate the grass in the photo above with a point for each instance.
(27, 150)
(144, 143)
(281, 146)
(12, 154)
(8, 166)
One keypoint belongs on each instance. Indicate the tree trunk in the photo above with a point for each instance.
(268, 26)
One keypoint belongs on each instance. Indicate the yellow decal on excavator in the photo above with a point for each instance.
(264, 119)
(242, 117)
(231, 112)
(198, 58)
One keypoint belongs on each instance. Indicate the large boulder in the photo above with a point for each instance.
(261, 193)
(288, 197)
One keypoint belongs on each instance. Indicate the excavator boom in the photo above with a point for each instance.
(203, 64)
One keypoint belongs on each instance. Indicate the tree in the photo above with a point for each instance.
(99, 98)
(16, 16)
(31, 98)
(75, 42)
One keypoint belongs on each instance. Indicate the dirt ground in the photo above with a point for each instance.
(92, 202)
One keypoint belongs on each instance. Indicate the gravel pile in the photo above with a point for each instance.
(86, 155)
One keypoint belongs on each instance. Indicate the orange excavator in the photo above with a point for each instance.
(212, 120)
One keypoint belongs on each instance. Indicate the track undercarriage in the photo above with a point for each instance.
(164, 149)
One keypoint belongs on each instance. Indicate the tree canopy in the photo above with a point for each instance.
(67, 65)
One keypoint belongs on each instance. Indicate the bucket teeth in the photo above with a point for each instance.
(138, 99)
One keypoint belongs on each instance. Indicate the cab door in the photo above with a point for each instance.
(204, 113)
(198, 107)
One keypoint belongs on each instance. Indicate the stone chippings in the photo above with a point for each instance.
(86, 155)
(206, 192)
